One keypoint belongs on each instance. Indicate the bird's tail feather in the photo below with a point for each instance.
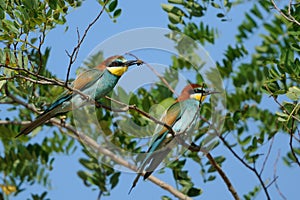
(157, 158)
(41, 119)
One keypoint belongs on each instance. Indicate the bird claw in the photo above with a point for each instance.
(63, 120)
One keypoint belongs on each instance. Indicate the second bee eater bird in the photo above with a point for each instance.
(96, 83)
(181, 117)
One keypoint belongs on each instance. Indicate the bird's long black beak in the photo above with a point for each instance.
(133, 62)
(212, 92)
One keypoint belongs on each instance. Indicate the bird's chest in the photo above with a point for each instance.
(105, 85)
(98, 90)
(189, 115)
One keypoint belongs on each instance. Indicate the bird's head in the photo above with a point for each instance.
(118, 65)
(194, 91)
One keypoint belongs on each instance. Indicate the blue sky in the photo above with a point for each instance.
(139, 14)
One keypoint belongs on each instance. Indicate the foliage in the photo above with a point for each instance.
(24, 26)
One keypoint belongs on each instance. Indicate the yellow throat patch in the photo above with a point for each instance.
(198, 97)
(117, 71)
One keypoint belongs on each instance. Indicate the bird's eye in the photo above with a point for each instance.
(116, 63)
(199, 90)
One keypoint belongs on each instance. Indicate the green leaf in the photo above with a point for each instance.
(295, 46)
(293, 93)
(167, 7)
(165, 198)
(193, 192)
(282, 116)
(114, 179)
(246, 140)
(113, 5)
(211, 178)
(215, 5)
(53, 4)
(173, 9)
(2, 82)
(220, 159)
(117, 13)
(220, 15)
(88, 163)
(256, 12)
(174, 19)
(176, 1)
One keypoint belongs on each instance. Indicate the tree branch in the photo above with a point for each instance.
(275, 177)
(253, 169)
(92, 143)
(223, 175)
(161, 78)
(288, 17)
(291, 142)
(266, 158)
(290, 130)
(193, 147)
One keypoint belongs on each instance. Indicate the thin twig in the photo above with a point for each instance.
(74, 54)
(55, 81)
(253, 169)
(266, 158)
(161, 78)
(43, 82)
(223, 175)
(289, 129)
(42, 40)
(17, 100)
(275, 177)
(127, 107)
(288, 17)
(156, 73)
(291, 142)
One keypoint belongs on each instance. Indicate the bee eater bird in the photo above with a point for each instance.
(95, 83)
(181, 117)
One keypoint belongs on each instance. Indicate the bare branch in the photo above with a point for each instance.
(193, 147)
(266, 158)
(253, 169)
(42, 82)
(223, 175)
(275, 177)
(74, 54)
(156, 73)
(290, 130)
(127, 107)
(291, 142)
(161, 78)
(54, 81)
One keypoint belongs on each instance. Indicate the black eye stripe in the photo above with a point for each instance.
(197, 90)
(116, 63)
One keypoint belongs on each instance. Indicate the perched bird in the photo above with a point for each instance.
(181, 117)
(95, 83)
